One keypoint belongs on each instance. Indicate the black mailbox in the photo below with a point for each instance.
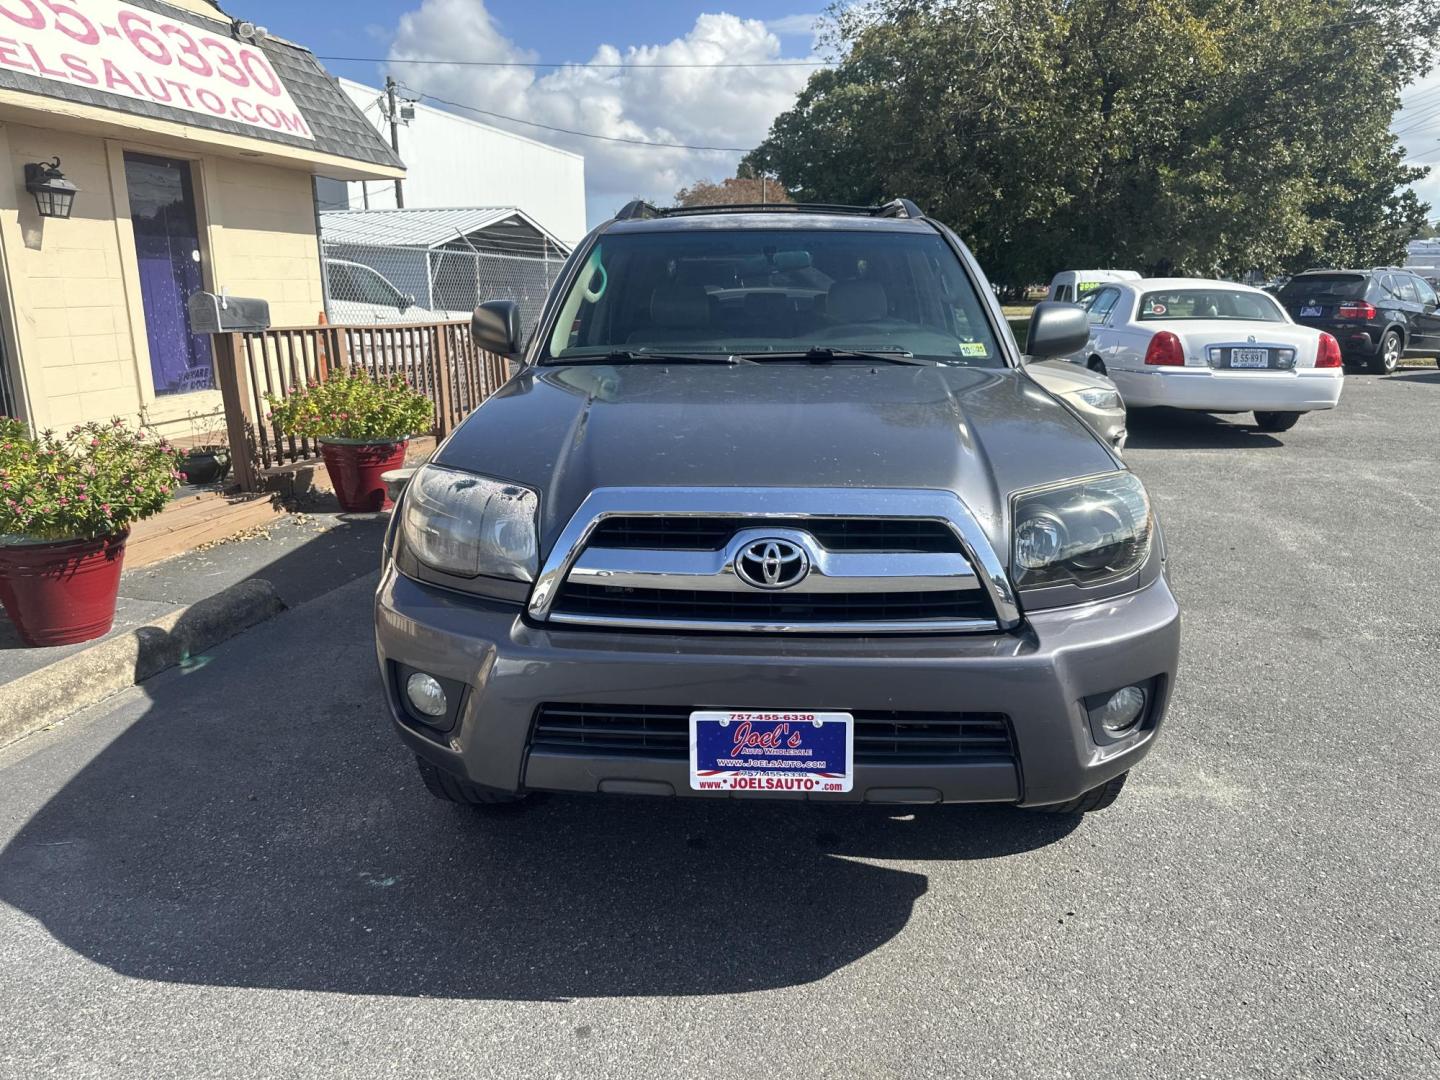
(211, 314)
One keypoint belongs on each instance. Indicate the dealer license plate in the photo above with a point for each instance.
(1311, 311)
(771, 751)
(1250, 358)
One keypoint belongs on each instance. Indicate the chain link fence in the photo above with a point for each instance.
(370, 284)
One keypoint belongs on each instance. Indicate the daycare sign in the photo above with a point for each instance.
(126, 50)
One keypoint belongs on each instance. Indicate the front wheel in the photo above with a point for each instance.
(1276, 421)
(450, 788)
(1097, 365)
(1097, 798)
(1388, 358)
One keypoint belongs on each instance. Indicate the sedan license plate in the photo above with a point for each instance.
(1311, 311)
(771, 751)
(1249, 358)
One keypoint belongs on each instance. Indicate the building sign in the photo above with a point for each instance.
(127, 50)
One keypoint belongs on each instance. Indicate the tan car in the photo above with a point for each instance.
(1089, 393)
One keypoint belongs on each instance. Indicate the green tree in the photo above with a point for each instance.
(1203, 136)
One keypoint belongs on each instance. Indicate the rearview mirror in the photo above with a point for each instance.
(1056, 329)
(495, 327)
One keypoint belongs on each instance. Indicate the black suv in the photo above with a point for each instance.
(1377, 315)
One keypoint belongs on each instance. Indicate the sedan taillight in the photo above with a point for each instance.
(1165, 350)
(1328, 354)
(1356, 309)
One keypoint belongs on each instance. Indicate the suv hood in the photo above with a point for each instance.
(982, 433)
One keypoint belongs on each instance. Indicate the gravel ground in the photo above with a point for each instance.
(233, 871)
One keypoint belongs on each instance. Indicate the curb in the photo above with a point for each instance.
(81, 679)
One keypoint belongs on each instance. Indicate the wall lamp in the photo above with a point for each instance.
(54, 195)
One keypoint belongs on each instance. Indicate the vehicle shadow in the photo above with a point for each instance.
(258, 825)
(1412, 376)
(1182, 429)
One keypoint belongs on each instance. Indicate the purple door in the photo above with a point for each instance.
(167, 243)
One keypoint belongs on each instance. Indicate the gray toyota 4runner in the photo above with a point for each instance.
(772, 509)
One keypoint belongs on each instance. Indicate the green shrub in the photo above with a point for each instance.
(353, 405)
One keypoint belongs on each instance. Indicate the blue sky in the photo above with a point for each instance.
(694, 106)
(558, 31)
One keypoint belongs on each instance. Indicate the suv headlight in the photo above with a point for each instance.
(468, 525)
(1083, 533)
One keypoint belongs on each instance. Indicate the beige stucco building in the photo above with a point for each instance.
(193, 173)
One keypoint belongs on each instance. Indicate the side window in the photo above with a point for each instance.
(1406, 288)
(341, 287)
(371, 288)
(1063, 294)
(1388, 287)
(1102, 303)
(1427, 293)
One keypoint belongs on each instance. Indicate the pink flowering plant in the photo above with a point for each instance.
(353, 405)
(92, 482)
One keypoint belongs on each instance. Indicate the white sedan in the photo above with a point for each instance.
(1213, 346)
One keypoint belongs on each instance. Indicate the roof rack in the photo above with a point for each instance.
(639, 210)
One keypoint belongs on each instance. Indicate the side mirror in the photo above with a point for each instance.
(405, 303)
(495, 327)
(1056, 329)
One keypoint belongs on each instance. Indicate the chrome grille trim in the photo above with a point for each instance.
(830, 572)
(790, 505)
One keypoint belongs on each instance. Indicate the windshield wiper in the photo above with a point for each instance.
(819, 354)
(633, 356)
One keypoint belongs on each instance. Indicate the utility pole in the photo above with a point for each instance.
(394, 137)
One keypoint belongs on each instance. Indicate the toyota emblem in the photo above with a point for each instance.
(772, 563)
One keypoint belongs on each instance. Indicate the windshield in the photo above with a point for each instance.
(749, 292)
(1343, 286)
(1209, 304)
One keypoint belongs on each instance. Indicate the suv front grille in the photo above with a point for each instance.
(835, 534)
(687, 605)
(881, 737)
(775, 561)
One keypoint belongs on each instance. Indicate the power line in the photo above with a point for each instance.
(580, 63)
(572, 131)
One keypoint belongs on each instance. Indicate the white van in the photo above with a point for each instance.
(1073, 286)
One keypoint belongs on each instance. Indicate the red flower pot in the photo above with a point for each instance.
(355, 469)
(63, 591)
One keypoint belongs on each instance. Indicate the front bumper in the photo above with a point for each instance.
(1038, 676)
(1210, 390)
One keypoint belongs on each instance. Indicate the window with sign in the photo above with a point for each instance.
(1209, 304)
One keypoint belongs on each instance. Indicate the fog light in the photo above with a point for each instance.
(1122, 711)
(426, 695)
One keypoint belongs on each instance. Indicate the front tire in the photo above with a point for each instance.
(1097, 798)
(1388, 358)
(1276, 421)
(1097, 365)
(450, 788)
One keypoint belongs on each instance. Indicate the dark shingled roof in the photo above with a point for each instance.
(338, 126)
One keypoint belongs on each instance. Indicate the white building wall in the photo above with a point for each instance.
(455, 161)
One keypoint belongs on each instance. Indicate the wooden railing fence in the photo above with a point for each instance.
(440, 359)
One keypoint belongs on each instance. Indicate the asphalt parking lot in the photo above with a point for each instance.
(234, 871)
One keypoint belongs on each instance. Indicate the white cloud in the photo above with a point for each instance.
(729, 107)
(801, 25)
(1418, 125)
